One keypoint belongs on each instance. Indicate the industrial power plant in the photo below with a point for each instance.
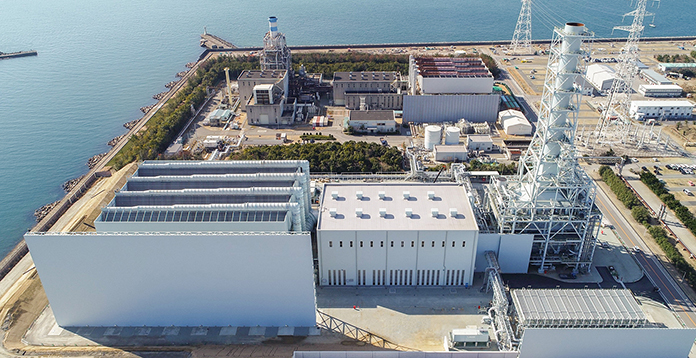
(270, 246)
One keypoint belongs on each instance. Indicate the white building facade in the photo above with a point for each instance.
(186, 243)
(660, 90)
(661, 109)
(396, 235)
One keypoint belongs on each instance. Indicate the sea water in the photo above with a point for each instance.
(100, 61)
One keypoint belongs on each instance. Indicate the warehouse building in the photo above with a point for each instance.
(482, 142)
(660, 90)
(189, 244)
(665, 67)
(654, 78)
(380, 90)
(450, 153)
(373, 121)
(446, 89)
(514, 123)
(640, 110)
(601, 76)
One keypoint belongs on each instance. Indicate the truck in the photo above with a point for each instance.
(462, 339)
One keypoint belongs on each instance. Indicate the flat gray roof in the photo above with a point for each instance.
(577, 308)
(450, 148)
(195, 197)
(255, 74)
(161, 168)
(373, 76)
(153, 215)
(372, 115)
(446, 196)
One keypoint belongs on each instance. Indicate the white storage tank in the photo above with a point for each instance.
(452, 136)
(432, 136)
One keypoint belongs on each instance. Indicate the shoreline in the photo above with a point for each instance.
(21, 249)
(445, 43)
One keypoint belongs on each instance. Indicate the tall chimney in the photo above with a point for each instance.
(273, 25)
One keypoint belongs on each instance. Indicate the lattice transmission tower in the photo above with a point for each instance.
(522, 38)
(615, 121)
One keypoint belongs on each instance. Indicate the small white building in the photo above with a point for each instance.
(601, 76)
(514, 122)
(450, 153)
(654, 78)
(661, 109)
(660, 90)
(479, 142)
(396, 235)
(372, 121)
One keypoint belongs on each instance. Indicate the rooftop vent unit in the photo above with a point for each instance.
(453, 212)
(382, 212)
(332, 212)
(409, 212)
(407, 195)
(334, 194)
(358, 212)
(359, 195)
(434, 212)
(431, 195)
(381, 195)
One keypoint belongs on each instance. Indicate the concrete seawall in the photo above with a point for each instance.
(440, 44)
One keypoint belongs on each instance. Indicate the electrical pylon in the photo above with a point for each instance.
(522, 38)
(616, 112)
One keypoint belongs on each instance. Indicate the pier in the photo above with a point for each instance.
(17, 54)
(215, 43)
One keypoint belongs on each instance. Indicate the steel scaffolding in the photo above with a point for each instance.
(275, 54)
(552, 197)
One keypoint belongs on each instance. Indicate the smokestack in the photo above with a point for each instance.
(273, 25)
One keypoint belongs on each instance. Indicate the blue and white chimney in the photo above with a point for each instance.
(273, 25)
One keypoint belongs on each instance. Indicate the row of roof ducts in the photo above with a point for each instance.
(435, 212)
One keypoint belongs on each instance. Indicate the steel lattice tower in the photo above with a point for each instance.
(552, 197)
(622, 88)
(522, 38)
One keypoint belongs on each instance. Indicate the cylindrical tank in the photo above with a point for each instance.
(432, 136)
(452, 136)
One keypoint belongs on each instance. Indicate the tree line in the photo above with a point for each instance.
(170, 119)
(331, 157)
(642, 215)
(328, 63)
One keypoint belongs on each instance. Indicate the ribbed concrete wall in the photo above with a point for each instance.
(451, 108)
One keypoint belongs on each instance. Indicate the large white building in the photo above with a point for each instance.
(601, 76)
(448, 75)
(447, 89)
(189, 244)
(396, 235)
(661, 109)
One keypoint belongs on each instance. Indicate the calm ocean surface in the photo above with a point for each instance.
(100, 61)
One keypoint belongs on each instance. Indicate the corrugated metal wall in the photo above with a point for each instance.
(451, 108)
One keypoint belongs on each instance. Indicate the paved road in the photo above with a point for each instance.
(669, 290)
